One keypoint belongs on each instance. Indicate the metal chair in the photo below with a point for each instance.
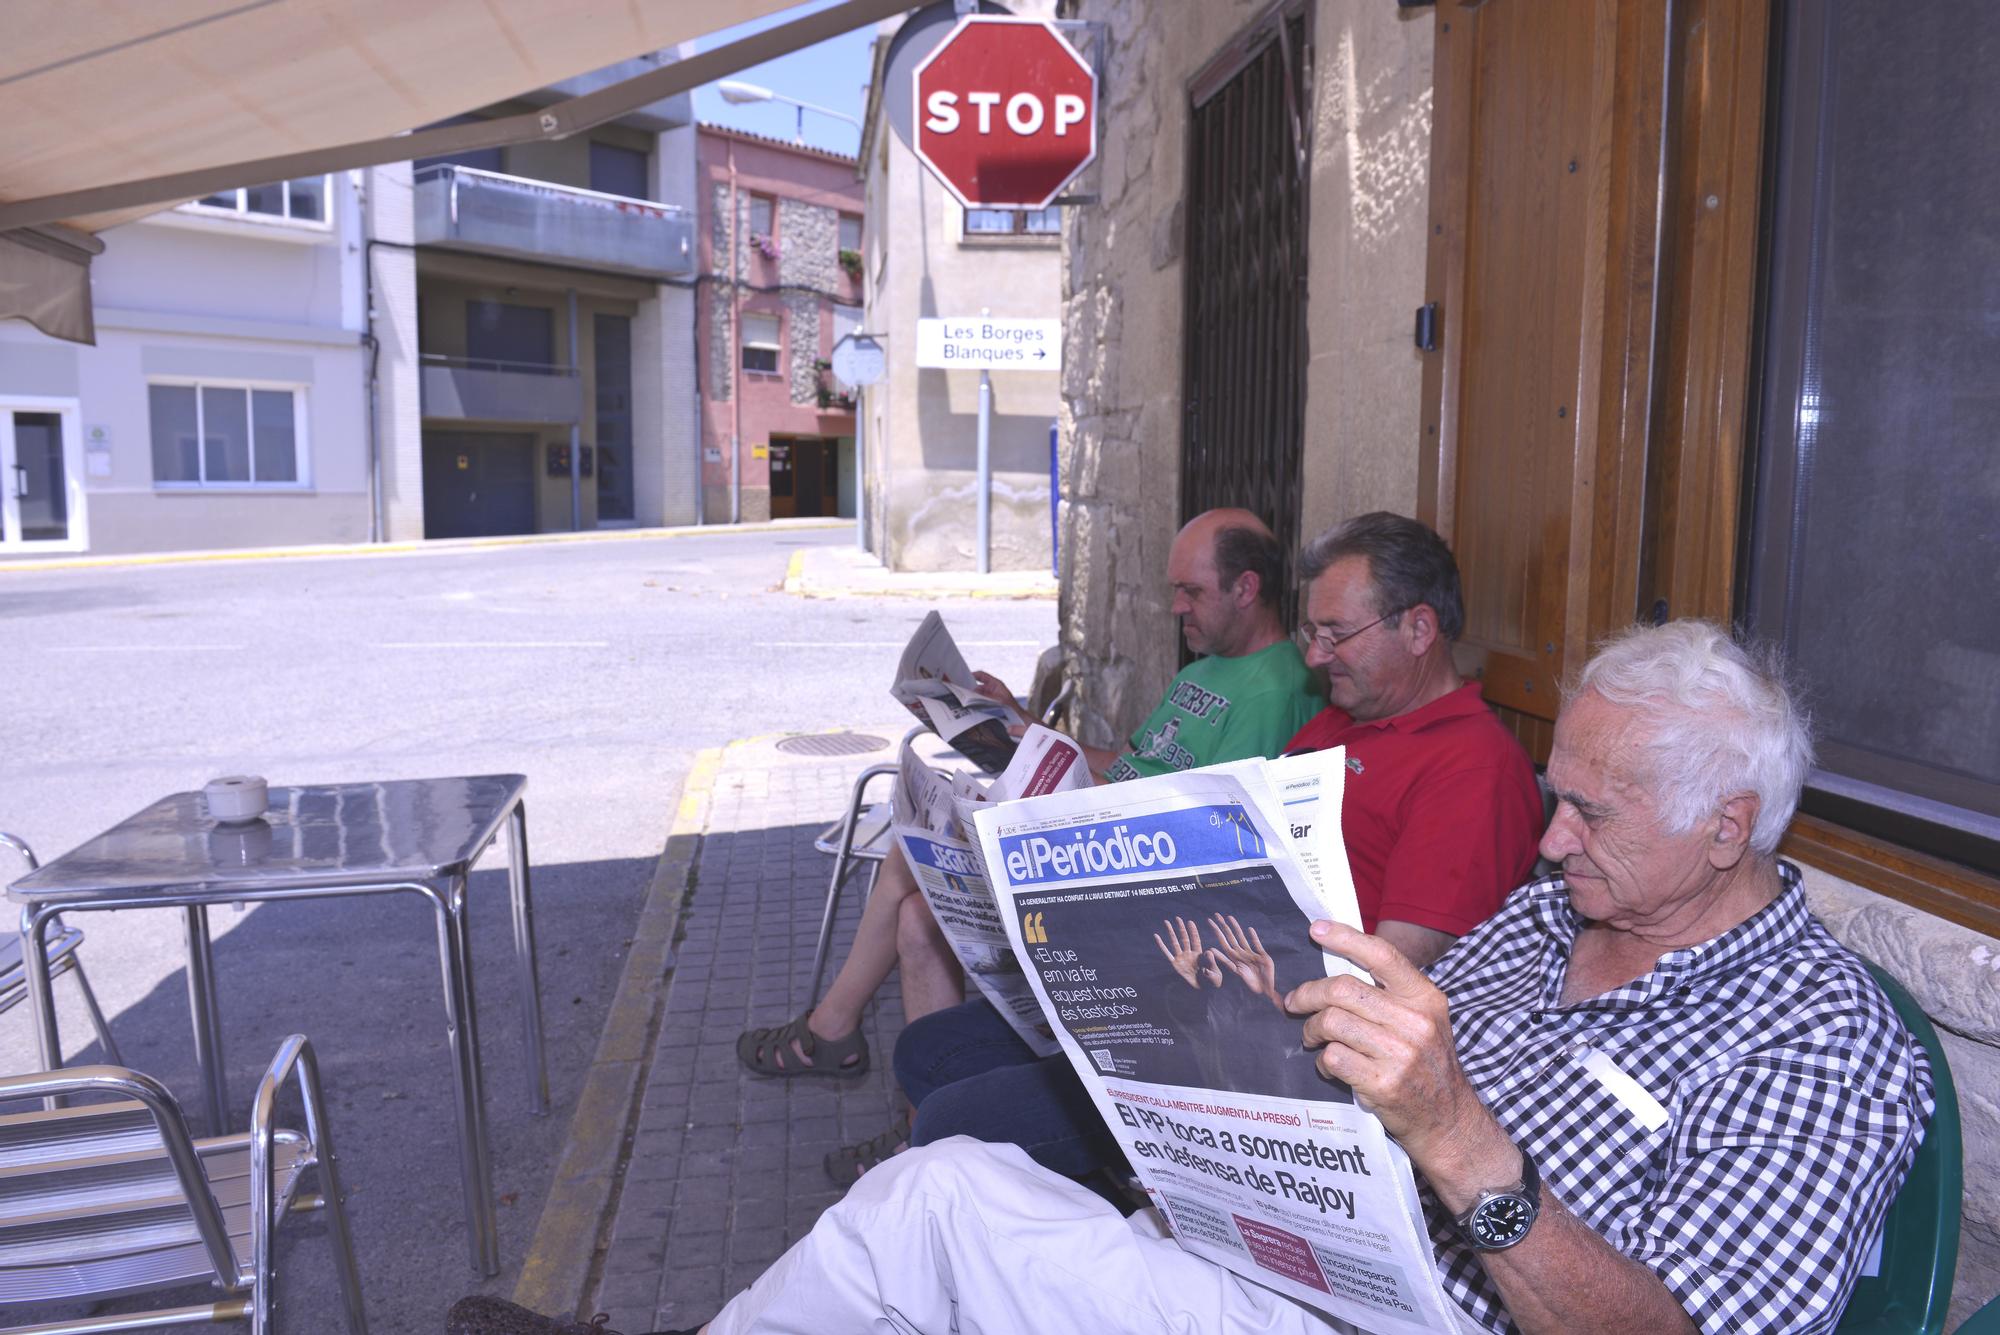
(115, 1198)
(62, 959)
(1986, 1321)
(863, 833)
(1908, 1288)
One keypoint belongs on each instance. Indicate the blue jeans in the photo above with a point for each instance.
(969, 1074)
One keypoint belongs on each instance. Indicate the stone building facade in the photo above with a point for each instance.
(777, 434)
(1373, 249)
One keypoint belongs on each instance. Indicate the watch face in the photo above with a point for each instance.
(1501, 1221)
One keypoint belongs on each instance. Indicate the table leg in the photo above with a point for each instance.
(462, 1032)
(41, 996)
(524, 959)
(207, 1022)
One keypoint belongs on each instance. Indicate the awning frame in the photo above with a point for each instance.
(558, 121)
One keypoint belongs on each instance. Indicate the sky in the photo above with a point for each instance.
(832, 75)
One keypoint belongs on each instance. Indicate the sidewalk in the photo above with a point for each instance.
(837, 572)
(679, 1196)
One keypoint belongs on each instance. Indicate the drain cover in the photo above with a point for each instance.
(833, 744)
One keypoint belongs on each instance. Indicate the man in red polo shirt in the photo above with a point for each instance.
(1441, 813)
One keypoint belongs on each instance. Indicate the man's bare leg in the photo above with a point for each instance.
(932, 978)
(872, 955)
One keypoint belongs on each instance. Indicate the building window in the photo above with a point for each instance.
(501, 336)
(211, 435)
(760, 343)
(619, 171)
(303, 200)
(1874, 524)
(762, 217)
(1014, 222)
(850, 232)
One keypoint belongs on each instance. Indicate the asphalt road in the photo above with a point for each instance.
(597, 669)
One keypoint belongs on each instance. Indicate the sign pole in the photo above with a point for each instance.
(985, 472)
(861, 472)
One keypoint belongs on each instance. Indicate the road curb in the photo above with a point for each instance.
(571, 1236)
(422, 547)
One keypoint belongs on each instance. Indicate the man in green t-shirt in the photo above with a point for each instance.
(1246, 696)
(1250, 690)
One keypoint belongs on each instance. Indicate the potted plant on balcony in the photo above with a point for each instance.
(767, 246)
(850, 260)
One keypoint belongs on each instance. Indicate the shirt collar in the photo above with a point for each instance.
(1774, 927)
(1465, 700)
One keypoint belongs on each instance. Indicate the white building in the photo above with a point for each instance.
(382, 353)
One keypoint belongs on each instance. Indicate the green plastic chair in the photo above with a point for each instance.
(1986, 1321)
(1911, 1288)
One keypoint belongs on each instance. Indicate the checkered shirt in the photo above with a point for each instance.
(1795, 1099)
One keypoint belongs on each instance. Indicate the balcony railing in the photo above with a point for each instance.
(471, 389)
(464, 208)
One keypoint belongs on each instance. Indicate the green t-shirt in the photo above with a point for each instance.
(1224, 709)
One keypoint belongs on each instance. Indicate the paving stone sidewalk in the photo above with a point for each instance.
(725, 1167)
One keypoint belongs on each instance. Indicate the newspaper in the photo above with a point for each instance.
(951, 874)
(1163, 920)
(934, 683)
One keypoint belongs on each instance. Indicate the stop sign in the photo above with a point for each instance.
(1006, 112)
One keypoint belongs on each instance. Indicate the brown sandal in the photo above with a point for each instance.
(768, 1051)
(846, 1164)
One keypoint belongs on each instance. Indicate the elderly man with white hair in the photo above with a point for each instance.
(1651, 1094)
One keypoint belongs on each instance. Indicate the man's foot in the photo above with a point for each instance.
(794, 1049)
(846, 1164)
(479, 1315)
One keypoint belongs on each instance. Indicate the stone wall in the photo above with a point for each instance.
(1122, 293)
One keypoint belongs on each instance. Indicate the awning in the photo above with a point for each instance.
(45, 280)
(114, 110)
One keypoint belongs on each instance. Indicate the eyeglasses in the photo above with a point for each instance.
(1312, 636)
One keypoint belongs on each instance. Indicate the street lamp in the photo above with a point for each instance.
(739, 94)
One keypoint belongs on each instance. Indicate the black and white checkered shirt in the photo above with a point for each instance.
(1794, 1101)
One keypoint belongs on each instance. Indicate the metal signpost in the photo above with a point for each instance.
(858, 361)
(1005, 115)
(984, 345)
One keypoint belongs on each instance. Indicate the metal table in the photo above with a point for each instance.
(406, 836)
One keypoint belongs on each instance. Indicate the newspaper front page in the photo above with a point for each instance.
(1162, 921)
(934, 683)
(951, 874)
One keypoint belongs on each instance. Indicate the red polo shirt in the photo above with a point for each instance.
(1440, 813)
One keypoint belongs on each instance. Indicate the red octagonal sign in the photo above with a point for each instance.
(1006, 112)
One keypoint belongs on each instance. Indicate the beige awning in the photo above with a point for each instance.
(115, 109)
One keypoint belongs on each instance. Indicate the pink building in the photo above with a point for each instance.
(777, 429)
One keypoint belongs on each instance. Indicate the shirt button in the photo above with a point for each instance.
(1538, 1016)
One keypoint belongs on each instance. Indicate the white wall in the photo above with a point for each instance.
(220, 299)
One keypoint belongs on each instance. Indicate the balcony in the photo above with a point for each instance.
(490, 391)
(487, 213)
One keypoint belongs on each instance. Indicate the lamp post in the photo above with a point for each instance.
(741, 94)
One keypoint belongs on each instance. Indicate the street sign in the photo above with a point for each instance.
(1006, 112)
(983, 344)
(858, 360)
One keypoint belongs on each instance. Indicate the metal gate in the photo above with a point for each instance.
(1244, 361)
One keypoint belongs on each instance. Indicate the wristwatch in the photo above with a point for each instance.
(1499, 1219)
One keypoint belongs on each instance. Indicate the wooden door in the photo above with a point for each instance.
(1593, 205)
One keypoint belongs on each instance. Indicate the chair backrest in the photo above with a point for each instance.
(1986, 1321)
(1912, 1285)
(19, 845)
(103, 1198)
